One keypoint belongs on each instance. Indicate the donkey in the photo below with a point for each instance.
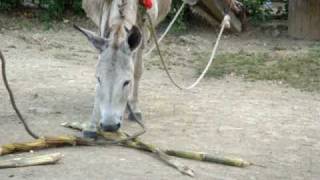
(120, 43)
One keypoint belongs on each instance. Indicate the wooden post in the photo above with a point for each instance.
(304, 19)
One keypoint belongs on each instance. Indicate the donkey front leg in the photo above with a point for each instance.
(133, 100)
(90, 129)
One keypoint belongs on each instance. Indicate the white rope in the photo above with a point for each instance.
(225, 23)
(167, 30)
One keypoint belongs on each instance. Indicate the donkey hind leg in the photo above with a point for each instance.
(133, 100)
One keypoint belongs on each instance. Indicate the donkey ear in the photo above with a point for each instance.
(97, 41)
(135, 38)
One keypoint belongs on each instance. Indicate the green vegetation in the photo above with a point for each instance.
(257, 12)
(181, 23)
(302, 72)
(9, 4)
(49, 9)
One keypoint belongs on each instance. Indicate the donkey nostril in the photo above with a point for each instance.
(111, 128)
(118, 125)
(126, 83)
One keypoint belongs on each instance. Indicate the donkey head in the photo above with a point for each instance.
(114, 74)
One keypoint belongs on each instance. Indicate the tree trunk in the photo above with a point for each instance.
(304, 19)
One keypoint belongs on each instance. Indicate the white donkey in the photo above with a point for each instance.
(120, 43)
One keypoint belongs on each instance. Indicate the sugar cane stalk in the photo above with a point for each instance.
(199, 156)
(58, 141)
(42, 143)
(138, 144)
(30, 161)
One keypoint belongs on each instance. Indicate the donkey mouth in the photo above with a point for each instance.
(110, 128)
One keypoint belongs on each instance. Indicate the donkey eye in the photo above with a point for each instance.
(126, 83)
(98, 79)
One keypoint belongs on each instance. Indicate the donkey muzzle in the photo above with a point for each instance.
(110, 127)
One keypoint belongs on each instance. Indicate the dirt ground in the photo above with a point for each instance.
(52, 75)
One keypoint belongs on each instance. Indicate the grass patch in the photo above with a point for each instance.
(302, 72)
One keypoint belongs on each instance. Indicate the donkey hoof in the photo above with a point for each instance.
(90, 134)
(135, 116)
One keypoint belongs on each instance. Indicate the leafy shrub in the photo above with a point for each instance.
(258, 10)
(8, 4)
(286, 7)
(51, 9)
(77, 7)
(55, 8)
(180, 24)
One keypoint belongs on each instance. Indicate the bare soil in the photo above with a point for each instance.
(52, 75)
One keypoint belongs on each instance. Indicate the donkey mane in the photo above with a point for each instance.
(119, 30)
(118, 36)
(122, 7)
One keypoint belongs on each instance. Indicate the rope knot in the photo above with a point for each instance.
(226, 21)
